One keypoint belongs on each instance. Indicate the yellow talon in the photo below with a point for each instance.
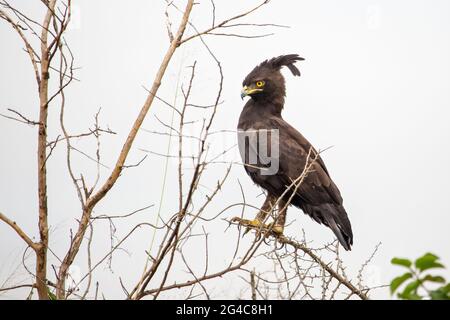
(249, 223)
(276, 228)
(258, 224)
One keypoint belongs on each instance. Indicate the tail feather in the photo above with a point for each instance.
(335, 217)
(342, 236)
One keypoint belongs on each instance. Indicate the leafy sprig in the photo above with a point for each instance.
(417, 281)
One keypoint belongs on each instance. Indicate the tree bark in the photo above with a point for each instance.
(41, 250)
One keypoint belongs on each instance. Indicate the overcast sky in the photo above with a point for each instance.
(375, 86)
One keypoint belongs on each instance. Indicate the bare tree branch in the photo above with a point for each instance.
(19, 231)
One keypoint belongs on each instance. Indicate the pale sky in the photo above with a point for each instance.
(375, 85)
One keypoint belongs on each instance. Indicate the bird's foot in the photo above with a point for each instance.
(250, 224)
(259, 226)
(276, 228)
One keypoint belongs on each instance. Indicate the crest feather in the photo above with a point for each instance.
(270, 66)
(286, 60)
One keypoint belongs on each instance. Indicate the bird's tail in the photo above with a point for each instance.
(335, 217)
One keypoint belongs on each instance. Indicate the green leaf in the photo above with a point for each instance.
(428, 261)
(397, 282)
(410, 291)
(411, 288)
(410, 296)
(401, 262)
(440, 294)
(431, 278)
(446, 288)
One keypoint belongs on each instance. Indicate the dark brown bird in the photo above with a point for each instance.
(275, 155)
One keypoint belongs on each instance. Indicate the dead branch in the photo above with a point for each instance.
(96, 197)
(325, 266)
(19, 231)
(223, 23)
(21, 118)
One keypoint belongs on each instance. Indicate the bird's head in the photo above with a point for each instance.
(265, 81)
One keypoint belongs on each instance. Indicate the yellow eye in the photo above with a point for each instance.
(259, 84)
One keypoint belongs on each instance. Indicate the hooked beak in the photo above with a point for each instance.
(246, 91)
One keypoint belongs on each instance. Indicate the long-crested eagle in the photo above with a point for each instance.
(300, 176)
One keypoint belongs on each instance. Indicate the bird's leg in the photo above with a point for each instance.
(260, 218)
(266, 209)
(278, 225)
